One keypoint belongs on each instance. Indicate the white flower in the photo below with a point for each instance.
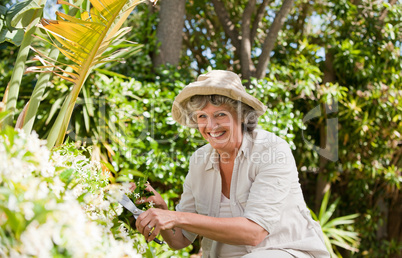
(81, 226)
(79, 190)
(57, 187)
(142, 248)
(27, 208)
(12, 203)
(115, 193)
(43, 190)
(122, 249)
(36, 239)
(119, 210)
(105, 205)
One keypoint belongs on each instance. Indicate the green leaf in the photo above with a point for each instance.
(37, 95)
(344, 245)
(328, 245)
(93, 34)
(313, 215)
(109, 166)
(56, 106)
(344, 220)
(66, 176)
(131, 172)
(342, 233)
(18, 72)
(328, 213)
(20, 15)
(323, 207)
(86, 118)
(15, 37)
(88, 101)
(110, 73)
(15, 220)
(3, 10)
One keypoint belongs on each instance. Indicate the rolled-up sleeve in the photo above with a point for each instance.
(276, 170)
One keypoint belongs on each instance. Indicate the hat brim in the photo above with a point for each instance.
(232, 93)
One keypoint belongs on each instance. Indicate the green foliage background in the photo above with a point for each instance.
(124, 109)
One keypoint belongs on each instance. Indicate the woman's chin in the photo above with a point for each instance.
(220, 146)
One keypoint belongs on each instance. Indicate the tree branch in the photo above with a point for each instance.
(227, 24)
(247, 65)
(258, 19)
(301, 20)
(195, 50)
(270, 40)
(385, 11)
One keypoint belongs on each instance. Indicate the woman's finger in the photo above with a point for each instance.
(149, 188)
(141, 223)
(153, 233)
(156, 199)
(132, 187)
(141, 200)
(148, 231)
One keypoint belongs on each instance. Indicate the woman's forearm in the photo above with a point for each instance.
(235, 231)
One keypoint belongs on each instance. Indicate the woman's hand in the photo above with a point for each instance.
(151, 222)
(156, 199)
(160, 220)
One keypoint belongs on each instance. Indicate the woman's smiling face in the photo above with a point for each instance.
(221, 127)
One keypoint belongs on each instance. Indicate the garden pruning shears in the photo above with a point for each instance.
(129, 205)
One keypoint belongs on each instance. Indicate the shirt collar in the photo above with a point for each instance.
(246, 144)
(213, 157)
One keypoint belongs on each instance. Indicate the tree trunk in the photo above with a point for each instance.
(258, 18)
(170, 32)
(243, 44)
(394, 220)
(322, 182)
(323, 185)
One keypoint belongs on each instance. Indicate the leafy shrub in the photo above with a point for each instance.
(57, 203)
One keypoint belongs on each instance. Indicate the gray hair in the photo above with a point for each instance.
(247, 114)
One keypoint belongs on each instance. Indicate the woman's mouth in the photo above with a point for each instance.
(216, 134)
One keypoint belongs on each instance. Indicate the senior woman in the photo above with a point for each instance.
(242, 192)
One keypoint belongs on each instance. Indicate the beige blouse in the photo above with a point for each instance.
(226, 250)
(265, 189)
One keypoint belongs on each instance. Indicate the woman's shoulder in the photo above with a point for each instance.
(207, 148)
(265, 138)
(202, 152)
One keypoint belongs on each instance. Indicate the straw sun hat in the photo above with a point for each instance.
(216, 82)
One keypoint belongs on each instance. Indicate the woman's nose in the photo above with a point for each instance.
(212, 123)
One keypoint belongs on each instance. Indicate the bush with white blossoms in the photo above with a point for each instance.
(58, 203)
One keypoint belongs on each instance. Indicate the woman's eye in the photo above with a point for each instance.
(221, 114)
(202, 116)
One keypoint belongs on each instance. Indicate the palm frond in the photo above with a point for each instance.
(84, 41)
(334, 236)
(24, 15)
(329, 212)
(324, 204)
(344, 220)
